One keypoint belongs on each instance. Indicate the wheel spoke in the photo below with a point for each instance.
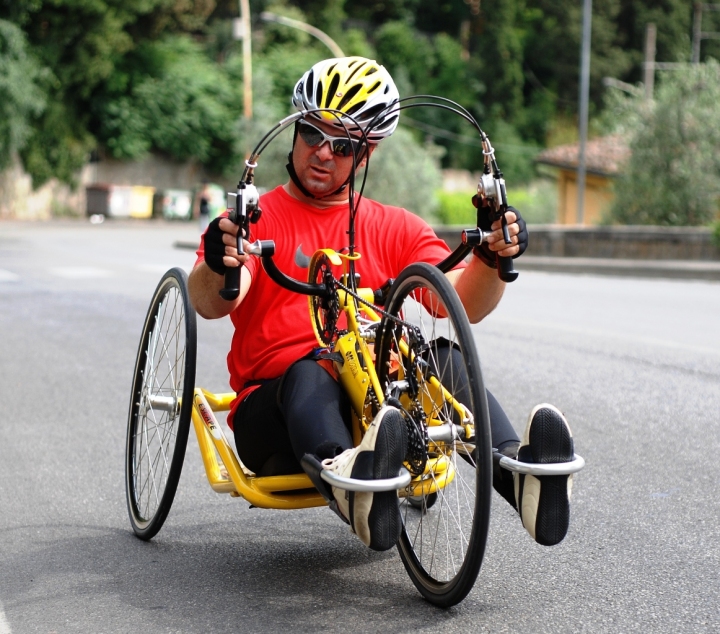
(443, 540)
(157, 437)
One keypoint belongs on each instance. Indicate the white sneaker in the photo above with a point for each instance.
(544, 501)
(373, 517)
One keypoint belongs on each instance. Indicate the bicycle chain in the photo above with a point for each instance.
(417, 450)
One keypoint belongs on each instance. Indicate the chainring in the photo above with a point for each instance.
(325, 311)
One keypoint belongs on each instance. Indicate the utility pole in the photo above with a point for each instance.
(247, 56)
(698, 33)
(584, 98)
(650, 39)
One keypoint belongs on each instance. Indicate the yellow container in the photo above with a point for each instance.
(141, 202)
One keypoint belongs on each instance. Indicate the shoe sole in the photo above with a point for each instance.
(383, 520)
(545, 508)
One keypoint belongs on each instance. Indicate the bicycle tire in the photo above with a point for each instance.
(442, 543)
(160, 405)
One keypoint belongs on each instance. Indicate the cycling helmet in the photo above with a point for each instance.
(357, 86)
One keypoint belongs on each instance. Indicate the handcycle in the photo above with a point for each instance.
(407, 344)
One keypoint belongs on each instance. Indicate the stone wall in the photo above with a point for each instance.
(19, 201)
(634, 242)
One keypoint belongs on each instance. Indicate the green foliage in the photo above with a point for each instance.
(716, 234)
(22, 97)
(170, 98)
(401, 172)
(673, 177)
(456, 208)
(110, 71)
(58, 147)
(537, 202)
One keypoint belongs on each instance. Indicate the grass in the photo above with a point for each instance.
(537, 202)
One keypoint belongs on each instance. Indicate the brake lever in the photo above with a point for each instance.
(245, 209)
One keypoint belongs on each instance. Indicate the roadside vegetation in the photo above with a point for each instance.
(125, 78)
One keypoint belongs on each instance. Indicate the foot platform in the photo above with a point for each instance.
(315, 470)
(541, 469)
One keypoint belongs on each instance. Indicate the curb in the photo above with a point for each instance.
(667, 269)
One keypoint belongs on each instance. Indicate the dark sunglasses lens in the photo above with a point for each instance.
(341, 147)
(312, 136)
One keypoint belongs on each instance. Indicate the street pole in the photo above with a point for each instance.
(650, 39)
(247, 58)
(697, 29)
(584, 97)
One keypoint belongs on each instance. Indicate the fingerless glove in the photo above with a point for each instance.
(215, 247)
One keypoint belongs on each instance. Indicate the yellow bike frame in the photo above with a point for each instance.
(356, 373)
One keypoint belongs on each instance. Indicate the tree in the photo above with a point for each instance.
(22, 96)
(673, 176)
(80, 43)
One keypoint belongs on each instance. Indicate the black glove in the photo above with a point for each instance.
(483, 251)
(215, 247)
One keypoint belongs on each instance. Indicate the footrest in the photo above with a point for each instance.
(549, 469)
(367, 486)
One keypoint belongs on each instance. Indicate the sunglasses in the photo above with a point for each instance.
(314, 137)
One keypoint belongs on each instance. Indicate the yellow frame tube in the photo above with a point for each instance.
(266, 492)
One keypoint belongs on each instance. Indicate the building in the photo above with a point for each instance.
(604, 157)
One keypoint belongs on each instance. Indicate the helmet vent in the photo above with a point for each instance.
(350, 76)
(355, 108)
(375, 86)
(371, 70)
(334, 83)
(370, 113)
(318, 92)
(348, 96)
(309, 85)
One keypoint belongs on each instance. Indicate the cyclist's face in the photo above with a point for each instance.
(319, 169)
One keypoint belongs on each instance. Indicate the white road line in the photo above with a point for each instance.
(79, 272)
(4, 625)
(8, 276)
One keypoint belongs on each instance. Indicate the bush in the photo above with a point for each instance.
(22, 99)
(404, 173)
(171, 98)
(537, 202)
(673, 176)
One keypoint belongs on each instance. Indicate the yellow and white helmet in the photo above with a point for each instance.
(356, 86)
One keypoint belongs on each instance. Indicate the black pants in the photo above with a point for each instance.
(306, 411)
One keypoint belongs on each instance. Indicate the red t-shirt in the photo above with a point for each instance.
(272, 325)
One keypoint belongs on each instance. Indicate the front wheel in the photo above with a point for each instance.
(425, 342)
(160, 405)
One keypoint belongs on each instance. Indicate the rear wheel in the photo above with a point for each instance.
(425, 339)
(160, 405)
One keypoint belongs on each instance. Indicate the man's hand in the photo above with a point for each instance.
(517, 230)
(221, 246)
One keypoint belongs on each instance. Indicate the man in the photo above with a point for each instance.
(288, 405)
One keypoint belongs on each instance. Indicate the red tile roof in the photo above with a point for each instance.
(605, 155)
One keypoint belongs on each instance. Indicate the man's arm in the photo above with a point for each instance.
(206, 281)
(204, 286)
(479, 286)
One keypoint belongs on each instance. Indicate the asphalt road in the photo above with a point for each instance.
(634, 364)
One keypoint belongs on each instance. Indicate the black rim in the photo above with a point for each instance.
(443, 540)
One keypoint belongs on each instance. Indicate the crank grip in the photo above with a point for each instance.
(506, 270)
(232, 284)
